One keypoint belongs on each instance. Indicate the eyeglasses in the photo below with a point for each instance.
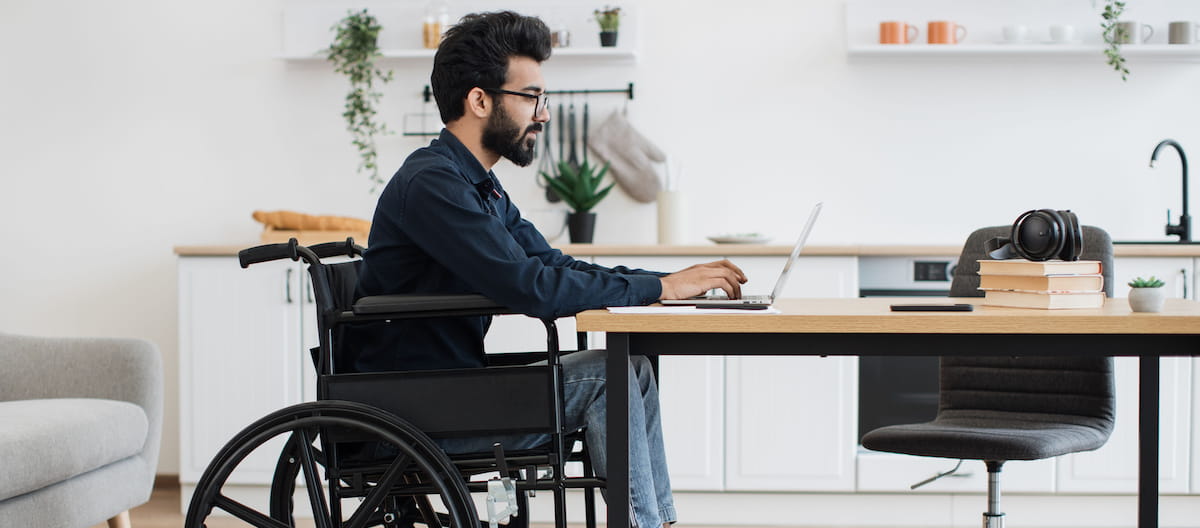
(543, 100)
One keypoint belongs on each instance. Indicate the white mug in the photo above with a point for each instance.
(1016, 33)
(1062, 33)
(1132, 33)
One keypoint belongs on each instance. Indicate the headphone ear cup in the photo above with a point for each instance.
(1038, 234)
(1072, 236)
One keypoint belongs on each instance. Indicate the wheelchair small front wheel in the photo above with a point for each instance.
(341, 488)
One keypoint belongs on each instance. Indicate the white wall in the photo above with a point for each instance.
(129, 127)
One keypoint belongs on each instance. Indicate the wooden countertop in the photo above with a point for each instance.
(732, 250)
(873, 315)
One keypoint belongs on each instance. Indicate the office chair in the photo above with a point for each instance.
(997, 409)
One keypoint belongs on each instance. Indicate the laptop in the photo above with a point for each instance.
(719, 300)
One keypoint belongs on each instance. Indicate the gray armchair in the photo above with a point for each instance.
(82, 425)
(1019, 407)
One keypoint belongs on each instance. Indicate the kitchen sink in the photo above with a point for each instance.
(1157, 242)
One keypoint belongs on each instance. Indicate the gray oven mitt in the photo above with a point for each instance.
(630, 155)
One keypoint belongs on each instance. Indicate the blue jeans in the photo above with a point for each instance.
(583, 388)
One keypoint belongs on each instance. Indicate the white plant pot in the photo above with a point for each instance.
(1147, 299)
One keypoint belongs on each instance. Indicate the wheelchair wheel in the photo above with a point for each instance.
(383, 493)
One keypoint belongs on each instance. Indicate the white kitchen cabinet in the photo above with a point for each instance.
(1195, 476)
(1113, 468)
(1177, 272)
(807, 403)
(239, 357)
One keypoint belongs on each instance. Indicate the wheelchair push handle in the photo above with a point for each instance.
(268, 252)
(345, 248)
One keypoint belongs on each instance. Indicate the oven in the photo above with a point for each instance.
(898, 390)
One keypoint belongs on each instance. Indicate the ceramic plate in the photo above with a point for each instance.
(740, 238)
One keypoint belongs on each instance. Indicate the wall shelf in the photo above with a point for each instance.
(581, 54)
(1164, 52)
(984, 21)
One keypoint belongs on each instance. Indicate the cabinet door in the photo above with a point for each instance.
(238, 357)
(1175, 271)
(1113, 468)
(1195, 484)
(692, 397)
(790, 421)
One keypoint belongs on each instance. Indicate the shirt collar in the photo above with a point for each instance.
(463, 157)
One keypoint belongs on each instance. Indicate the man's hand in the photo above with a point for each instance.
(700, 278)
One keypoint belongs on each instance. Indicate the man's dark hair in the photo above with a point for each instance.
(475, 52)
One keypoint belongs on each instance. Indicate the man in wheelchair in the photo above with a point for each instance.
(445, 225)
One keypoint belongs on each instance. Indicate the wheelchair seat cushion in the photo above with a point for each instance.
(43, 442)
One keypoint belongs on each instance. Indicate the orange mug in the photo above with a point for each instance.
(945, 32)
(892, 32)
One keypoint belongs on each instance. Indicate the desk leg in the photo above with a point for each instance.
(1148, 401)
(617, 394)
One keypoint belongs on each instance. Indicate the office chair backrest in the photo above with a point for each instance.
(1097, 245)
(1061, 389)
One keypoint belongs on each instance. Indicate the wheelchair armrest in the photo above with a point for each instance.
(514, 358)
(418, 305)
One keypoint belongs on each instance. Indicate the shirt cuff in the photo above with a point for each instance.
(646, 289)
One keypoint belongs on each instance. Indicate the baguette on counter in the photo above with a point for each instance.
(280, 226)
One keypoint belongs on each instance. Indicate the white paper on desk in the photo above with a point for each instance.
(684, 310)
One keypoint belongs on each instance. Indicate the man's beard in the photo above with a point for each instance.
(504, 137)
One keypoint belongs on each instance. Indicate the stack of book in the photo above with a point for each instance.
(1052, 284)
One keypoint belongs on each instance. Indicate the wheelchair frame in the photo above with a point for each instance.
(393, 408)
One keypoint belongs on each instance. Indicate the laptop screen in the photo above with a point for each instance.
(787, 266)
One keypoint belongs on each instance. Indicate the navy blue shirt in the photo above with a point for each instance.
(445, 225)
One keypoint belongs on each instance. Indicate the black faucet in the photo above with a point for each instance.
(1184, 227)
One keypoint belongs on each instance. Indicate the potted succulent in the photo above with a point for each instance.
(1147, 295)
(609, 19)
(353, 53)
(580, 188)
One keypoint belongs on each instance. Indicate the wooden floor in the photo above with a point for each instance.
(163, 512)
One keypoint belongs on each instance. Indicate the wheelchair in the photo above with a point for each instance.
(364, 451)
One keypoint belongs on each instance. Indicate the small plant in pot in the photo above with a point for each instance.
(609, 19)
(1147, 295)
(580, 188)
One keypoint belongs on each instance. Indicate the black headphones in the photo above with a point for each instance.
(1041, 234)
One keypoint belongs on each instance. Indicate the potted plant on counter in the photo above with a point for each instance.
(580, 188)
(609, 19)
(1147, 295)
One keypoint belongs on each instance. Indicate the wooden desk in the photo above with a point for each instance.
(839, 327)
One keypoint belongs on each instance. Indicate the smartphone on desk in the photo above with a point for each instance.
(933, 307)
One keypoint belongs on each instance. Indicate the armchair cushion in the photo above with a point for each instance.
(46, 441)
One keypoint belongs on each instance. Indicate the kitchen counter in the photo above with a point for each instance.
(1121, 250)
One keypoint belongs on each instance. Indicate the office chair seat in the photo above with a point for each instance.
(989, 435)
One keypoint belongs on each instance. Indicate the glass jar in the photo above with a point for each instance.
(437, 20)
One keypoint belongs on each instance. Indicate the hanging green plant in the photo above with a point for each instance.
(1113, 36)
(353, 53)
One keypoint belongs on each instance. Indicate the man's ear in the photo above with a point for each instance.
(478, 103)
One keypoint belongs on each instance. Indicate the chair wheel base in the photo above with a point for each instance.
(993, 520)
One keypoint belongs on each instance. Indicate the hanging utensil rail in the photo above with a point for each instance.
(427, 95)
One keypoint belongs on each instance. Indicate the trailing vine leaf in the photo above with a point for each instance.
(1113, 36)
(353, 53)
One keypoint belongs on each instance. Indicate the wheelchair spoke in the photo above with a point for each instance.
(245, 513)
(375, 498)
(312, 482)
